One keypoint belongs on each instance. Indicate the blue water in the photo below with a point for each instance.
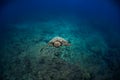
(91, 27)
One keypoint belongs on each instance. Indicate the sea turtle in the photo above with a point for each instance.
(58, 41)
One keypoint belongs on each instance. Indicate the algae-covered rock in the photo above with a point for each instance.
(47, 66)
(57, 69)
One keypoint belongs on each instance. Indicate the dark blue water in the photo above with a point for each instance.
(92, 27)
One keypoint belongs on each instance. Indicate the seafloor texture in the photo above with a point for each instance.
(28, 57)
